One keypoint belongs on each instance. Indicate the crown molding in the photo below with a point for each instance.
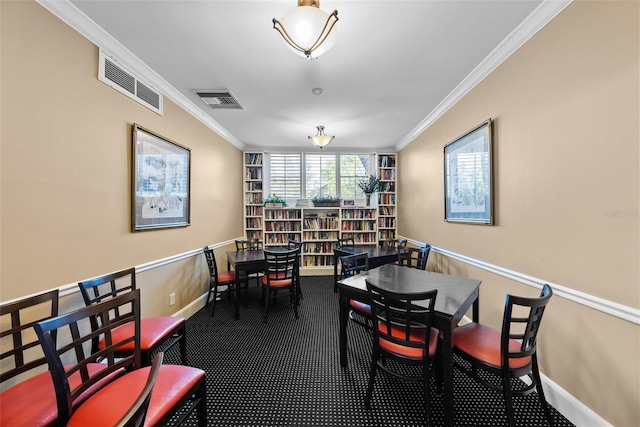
(540, 17)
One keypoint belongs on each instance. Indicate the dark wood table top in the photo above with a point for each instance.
(453, 292)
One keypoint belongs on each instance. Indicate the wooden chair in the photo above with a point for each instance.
(158, 333)
(346, 241)
(246, 245)
(176, 385)
(217, 279)
(351, 265)
(137, 413)
(510, 353)
(393, 243)
(31, 401)
(414, 257)
(402, 335)
(281, 273)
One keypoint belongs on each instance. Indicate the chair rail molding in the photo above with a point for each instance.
(73, 288)
(621, 311)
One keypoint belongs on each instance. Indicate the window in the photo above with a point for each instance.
(353, 168)
(320, 175)
(285, 175)
(305, 176)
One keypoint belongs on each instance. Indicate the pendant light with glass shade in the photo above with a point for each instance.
(320, 139)
(307, 29)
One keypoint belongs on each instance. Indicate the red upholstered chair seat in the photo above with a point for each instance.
(226, 277)
(275, 280)
(153, 330)
(483, 343)
(360, 307)
(106, 406)
(32, 402)
(416, 335)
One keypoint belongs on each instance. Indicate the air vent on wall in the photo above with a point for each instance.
(118, 77)
(219, 99)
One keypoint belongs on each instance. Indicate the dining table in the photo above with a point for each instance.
(456, 295)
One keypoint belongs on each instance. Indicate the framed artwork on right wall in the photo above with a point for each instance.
(468, 177)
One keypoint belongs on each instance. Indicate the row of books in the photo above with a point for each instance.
(253, 158)
(358, 213)
(282, 226)
(387, 161)
(358, 226)
(321, 223)
(282, 214)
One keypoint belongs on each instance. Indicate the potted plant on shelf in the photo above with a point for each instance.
(326, 201)
(275, 201)
(369, 186)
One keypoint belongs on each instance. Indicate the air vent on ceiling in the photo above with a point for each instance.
(118, 77)
(219, 99)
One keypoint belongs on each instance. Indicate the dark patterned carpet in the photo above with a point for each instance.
(287, 372)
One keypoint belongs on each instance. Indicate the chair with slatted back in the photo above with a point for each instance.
(509, 353)
(219, 281)
(281, 273)
(246, 244)
(393, 243)
(178, 390)
(346, 241)
(402, 335)
(414, 257)
(350, 265)
(137, 413)
(158, 333)
(31, 399)
(250, 245)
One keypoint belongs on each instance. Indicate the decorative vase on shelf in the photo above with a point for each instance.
(368, 197)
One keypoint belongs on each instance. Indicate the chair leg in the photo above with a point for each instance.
(266, 304)
(372, 378)
(426, 376)
(201, 409)
(215, 298)
(508, 398)
(183, 344)
(543, 400)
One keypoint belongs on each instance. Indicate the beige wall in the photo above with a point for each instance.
(65, 171)
(566, 112)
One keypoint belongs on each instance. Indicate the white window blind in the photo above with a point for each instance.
(285, 175)
(320, 175)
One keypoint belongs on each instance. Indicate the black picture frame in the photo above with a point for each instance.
(161, 181)
(468, 177)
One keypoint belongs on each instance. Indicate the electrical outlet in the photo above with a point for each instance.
(172, 298)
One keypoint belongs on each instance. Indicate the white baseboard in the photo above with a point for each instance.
(574, 410)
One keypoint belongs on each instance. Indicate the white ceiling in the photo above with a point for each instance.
(395, 67)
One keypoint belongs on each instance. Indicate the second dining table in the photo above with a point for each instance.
(244, 263)
(456, 295)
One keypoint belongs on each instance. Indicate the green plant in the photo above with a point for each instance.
(274, 198)
(369, 185)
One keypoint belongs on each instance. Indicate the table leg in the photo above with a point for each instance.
(343, 316)
(447, 373)
(335, 272)
(476, 308)
(237, 302)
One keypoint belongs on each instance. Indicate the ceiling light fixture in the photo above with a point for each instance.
(320, 139)
(309, 27)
